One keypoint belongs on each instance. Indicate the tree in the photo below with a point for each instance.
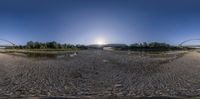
(30, 45)
(145, 45)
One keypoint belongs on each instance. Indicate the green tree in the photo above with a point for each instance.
(30, 45)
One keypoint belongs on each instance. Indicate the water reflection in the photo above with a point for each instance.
(45, 55)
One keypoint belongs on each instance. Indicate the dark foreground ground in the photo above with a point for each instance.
(101, 74)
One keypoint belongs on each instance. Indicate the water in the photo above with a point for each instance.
(42, 55)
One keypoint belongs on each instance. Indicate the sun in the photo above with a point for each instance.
(100, 41)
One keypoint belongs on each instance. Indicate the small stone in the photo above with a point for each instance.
(48, 93)
(118, 85)
(105, 61)
(119, 94)
(65, 87)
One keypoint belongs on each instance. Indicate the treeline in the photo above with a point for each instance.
(135, 47)
(48, 45)
(149, 46)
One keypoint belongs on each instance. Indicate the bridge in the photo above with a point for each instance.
(190, 46)
(7, 41)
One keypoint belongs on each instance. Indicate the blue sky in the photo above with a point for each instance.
(114, 21)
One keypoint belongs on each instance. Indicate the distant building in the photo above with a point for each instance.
(108, 48)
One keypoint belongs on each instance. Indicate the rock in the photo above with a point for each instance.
(66, 87)
(147, 92)
(117, 85)
(74, 54)
(48, 93)
(105, 61)
(119, 94)
(76, 75)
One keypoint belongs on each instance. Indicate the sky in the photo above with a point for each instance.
(99, 21)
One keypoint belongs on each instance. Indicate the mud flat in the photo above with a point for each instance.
(99, 73)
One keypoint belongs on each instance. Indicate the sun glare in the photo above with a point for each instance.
(100, 41)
